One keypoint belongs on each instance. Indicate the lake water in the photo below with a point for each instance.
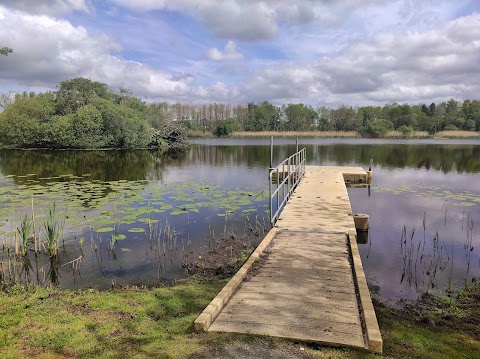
(134, 217)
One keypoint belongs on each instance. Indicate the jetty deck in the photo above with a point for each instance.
(309, 284)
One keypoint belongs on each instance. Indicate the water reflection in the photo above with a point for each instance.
(424, 206)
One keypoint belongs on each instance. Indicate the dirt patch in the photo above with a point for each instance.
(249, 350)
(223, 259)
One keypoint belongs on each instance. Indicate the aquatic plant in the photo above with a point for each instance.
(80, 242)
(25, 230)
(52, 231)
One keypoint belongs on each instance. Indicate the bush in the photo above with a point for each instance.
(450, 128)
(376, 128)
(406, 131)
(225, 128)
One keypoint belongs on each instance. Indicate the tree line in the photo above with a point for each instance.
(85, 114)
(369, 121)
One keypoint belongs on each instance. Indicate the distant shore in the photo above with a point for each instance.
(343, 134)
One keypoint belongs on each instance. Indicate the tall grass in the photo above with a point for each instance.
(326, 134)
(25, 230)
(458, 134)
(399, 134)
(52, 230)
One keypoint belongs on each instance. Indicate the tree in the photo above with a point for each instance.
(261, 117)
(400, 115)
(471, 113)
(225, 128)
(422, 119)
(78, 92)
(323, 119)
(87, 128)
(18, 129)
(377, 128)
(5, 51)
(368, 113)
(453, 117)
(426, 110)
(344, 119)
(6, 99)
(300, 117)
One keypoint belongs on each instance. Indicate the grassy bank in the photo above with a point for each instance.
(157, 322)
(301, 134)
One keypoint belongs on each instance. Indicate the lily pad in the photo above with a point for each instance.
(136, 230)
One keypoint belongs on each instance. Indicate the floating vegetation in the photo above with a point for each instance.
(78, 216)
(437, 194)
(90, 203)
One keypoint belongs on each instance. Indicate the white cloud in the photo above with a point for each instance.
(229, 53)
(424, 62)
(251, 20)
(433, 65)
(438, 63)
(50, 7)
(49, 50)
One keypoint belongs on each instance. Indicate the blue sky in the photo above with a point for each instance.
(353, 52)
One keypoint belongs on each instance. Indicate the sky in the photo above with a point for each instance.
(318, 52)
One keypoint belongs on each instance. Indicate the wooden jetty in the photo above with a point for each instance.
(309, 284)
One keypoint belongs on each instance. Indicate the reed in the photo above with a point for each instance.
(400, 134)
(113, 242)
(25, 230)
(323, 134)
(36, 247)
(458, 134)
(52, 231)
(80, 242)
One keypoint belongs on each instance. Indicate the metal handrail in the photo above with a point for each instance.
(286, 176)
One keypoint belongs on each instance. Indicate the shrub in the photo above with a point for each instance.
(225, 128)
(376, 128)
(406, 131)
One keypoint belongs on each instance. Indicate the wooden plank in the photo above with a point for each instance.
(340, 301)
(313, 274)
(325, 307)
(276, 287)
(291, 332)
(304, 288)
(310, 323)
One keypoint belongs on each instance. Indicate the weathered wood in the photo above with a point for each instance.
(306, 287)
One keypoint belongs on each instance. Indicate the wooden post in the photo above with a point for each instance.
(369, 173)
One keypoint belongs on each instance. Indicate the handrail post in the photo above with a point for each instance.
(278, 189)
(289, 185)
(285, 182)
(270, 190)
(271, 152)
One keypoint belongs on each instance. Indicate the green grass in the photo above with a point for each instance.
(121, 323)
(157, 322)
